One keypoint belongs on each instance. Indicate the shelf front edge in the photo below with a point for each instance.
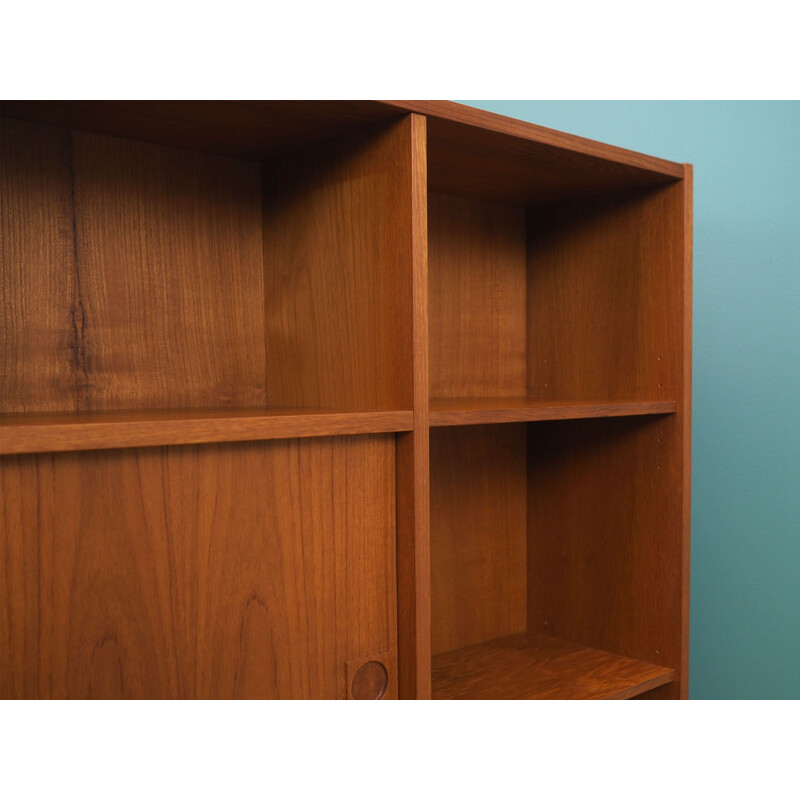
(440, 417)
(65, 434)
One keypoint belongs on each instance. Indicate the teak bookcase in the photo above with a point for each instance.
(340, 400)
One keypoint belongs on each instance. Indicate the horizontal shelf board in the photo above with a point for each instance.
(528, 666)
(42, 433)
(485, 411)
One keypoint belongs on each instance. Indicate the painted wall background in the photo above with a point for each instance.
(745, 588)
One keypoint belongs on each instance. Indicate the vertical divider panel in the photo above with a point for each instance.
(413, 483)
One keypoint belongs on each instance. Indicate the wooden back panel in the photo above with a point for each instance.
(476, 298)
(217, 571)
(132, 275)
(478, 533)
(338, 253)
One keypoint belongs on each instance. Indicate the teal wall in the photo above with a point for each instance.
(745, 617)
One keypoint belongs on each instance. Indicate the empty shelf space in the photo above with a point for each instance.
(488, 410)
(41, 433)
(528, 666)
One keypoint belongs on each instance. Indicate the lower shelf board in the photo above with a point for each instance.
(528, 666)
(46, 433)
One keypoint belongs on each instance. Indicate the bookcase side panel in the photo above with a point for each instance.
(338, 255)
(605, 552)
(605, 297)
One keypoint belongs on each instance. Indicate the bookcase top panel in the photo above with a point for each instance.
(470, 151)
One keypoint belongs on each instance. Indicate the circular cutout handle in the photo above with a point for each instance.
(370, 681)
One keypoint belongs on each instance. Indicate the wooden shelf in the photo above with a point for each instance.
(484, 411)
(41, 433)
(535, 667)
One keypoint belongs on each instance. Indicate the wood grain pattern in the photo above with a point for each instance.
(218, 571)
(605, 552)
(338, 254)
(493, 410)
(536, 667)
(133, 274)
(605, 281)
(478, 534)
(477, 298)
(39, 337)
(413, 465)
(242, 270)
(43, 433)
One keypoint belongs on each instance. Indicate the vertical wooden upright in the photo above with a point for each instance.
(413, 484)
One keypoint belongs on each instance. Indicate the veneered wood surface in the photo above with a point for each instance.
(413, 475)
(535, 667)
(41, 433)
(605, 286)
(686, 420)
(608, 310)
(605, 552)
(473, 161)
(132, 275)
(259, 128)
(253, 129)
(491, 410)
(251, 570)
(372, 678)
(478, 534)
(582, 150)
(477, 298)
(338, 255)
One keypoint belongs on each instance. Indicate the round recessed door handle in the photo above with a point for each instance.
(370, 681)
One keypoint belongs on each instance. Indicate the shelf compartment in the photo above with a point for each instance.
(143, 276)
(528, 666)
(490, 410)
(42, 433)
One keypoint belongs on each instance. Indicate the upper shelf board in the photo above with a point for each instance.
(47, 433)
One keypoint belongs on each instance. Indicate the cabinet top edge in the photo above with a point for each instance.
(258, 128)
(498, 123)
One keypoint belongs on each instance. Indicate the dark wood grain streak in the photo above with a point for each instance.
(132, 273)
(41, 433)
(217, 571)
(535, 667)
